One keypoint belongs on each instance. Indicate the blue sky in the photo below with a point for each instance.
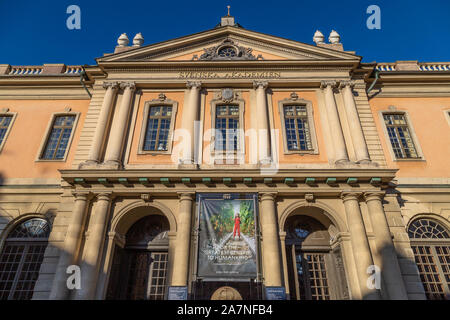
(35, 32)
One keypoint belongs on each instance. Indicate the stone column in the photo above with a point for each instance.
(271, 248)
(390, 269)
(337, 135)
(189, 116)
(117, 132)
(102, 123)
(181, 257)
(93, 248)
(70, 250)
(359, 143)
(262, 118)
(360, 244)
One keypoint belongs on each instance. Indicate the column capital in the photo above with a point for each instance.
(267, 196)
(128, 84)
(81, 195)
(377, 195)
(350, 196)
(260, 84)
(193, 84)
(111, 84)
(186, 196)
(105, 196)
(327, 83)
(346, 83)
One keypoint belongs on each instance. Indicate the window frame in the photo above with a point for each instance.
(294, 100)
(228, 157)
(5, 240)
(432, 244)
(420, 155)
(7, 113)
(147, 106)
(446, 113)
(48, 132)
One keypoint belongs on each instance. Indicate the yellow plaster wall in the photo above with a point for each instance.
(432, 130)
(21, 148)
(297, 158)
(134, 157)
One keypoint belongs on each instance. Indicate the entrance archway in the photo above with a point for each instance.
(313, 257)
(139, 269)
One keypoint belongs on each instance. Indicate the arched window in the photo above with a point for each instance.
(430, 242)
(21, 259)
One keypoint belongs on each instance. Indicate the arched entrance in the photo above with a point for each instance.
(139, 269)
(314, 262)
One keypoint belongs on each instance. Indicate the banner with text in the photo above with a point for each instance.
(227, 236)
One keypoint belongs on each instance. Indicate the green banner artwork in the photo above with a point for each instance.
(227, 236)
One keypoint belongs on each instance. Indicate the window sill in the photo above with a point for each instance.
(153, 153)
(409, 160)
(302, 152)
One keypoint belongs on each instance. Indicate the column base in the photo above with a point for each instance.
(111, 164)
(89, 164)
(265, 162)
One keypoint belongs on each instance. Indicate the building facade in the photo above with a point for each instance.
(103, 169)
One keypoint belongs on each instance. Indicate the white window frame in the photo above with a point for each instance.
(227, 157)
(47, 135)
(7, 113)
(147, 106)
(294, 100)
(420, 155)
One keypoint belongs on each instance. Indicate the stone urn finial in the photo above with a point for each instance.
(138, 40)
(318, 37)
(334, 37)
(123, 40)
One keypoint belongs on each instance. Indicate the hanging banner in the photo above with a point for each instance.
(227, 236)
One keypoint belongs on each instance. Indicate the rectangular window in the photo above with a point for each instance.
(298, 135)
(58, 139)
(400, 136)
(227, 128)
(158, 127)
(5, 121)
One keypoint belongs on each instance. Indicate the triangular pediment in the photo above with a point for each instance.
(249, 45)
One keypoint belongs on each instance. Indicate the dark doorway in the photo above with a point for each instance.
(139, 270)
(315, 270)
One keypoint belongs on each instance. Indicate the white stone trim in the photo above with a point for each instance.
(47, 135)
(9, 114)
(420, 155)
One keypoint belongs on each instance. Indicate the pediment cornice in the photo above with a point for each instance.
(287, 49)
